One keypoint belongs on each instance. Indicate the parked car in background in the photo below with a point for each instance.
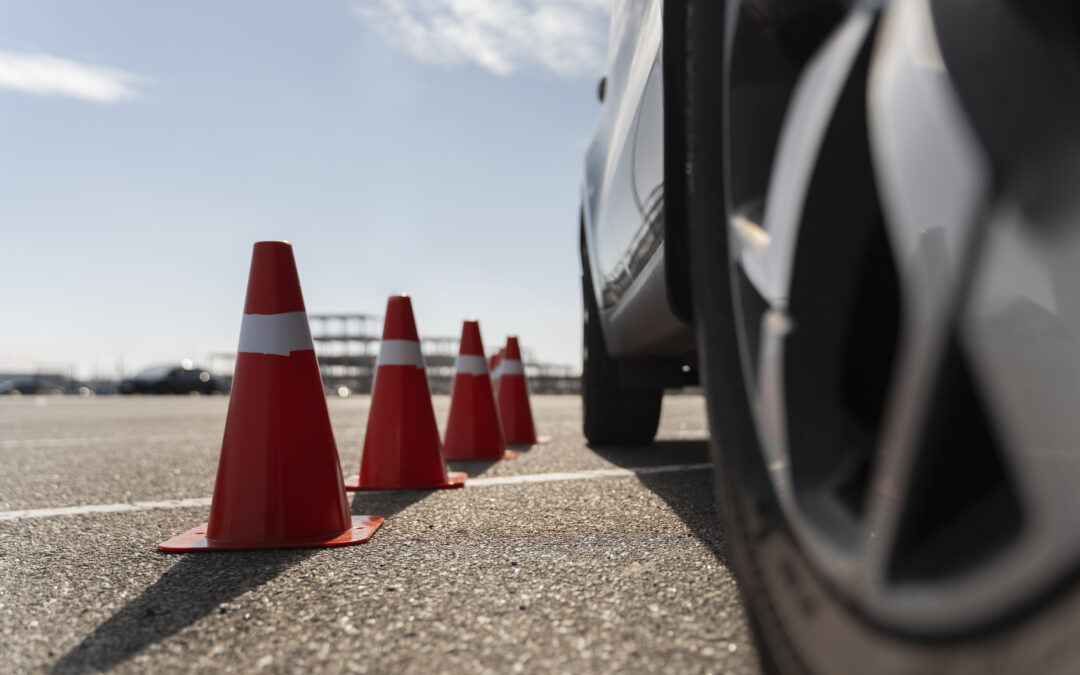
(858, 224)
(30, 386)
(185, 378)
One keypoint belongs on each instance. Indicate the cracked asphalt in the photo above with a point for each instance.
(599, 574)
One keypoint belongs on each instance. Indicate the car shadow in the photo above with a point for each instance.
(197, 585)
(689, 493)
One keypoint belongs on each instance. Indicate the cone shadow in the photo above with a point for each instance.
(197, 586)
(385, 503)
(689, 494)
(192, 588)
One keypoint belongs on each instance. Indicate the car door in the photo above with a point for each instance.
(623, 217)
(632, 120)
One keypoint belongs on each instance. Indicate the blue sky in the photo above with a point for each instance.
(428, 146)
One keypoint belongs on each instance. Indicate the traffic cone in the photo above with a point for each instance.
(402, 450)
(473, 430)
(515, 413)
(496, 372)
(279, 478)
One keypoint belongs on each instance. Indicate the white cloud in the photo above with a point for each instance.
(566, 37)
(47, 75)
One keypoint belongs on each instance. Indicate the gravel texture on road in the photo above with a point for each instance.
(599, 574)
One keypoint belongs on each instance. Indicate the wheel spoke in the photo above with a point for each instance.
(764, 233)
(800, 304)
(767, 253)
(933, 184)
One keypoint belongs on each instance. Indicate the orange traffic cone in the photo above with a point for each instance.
(515, 413)
(279, 478)
(473, 430)
(402, 450)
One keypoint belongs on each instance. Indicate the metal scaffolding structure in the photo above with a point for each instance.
(347, 345)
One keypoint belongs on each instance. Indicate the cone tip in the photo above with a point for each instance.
(471, 343)
(513, 350)
(273, 285)
(273, 244)
(399, 324)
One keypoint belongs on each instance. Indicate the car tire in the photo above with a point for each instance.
(613, 415)
(803, 621)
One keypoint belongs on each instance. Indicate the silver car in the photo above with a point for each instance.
(854, 223)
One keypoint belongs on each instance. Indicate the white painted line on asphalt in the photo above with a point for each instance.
(104, 508)
(582, 475)
(99, 440)
(470, 483)
(700, 434)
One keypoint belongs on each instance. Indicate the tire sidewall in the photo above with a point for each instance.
(800, 624)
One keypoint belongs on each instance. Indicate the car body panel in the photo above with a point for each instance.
(623, 193)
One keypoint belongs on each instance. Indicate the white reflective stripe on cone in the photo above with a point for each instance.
(468, 364)
(399, 353)
(277, 334)
(511, 368)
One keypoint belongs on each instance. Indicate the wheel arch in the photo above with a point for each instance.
(676, 232)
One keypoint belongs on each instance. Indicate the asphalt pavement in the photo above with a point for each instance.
(566, 559)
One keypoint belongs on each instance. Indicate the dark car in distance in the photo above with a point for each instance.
(30, 386)
(184, 378)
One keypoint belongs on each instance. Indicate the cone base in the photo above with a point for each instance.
(454, 479)
(194, 540)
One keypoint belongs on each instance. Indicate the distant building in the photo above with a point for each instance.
(348, 344)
